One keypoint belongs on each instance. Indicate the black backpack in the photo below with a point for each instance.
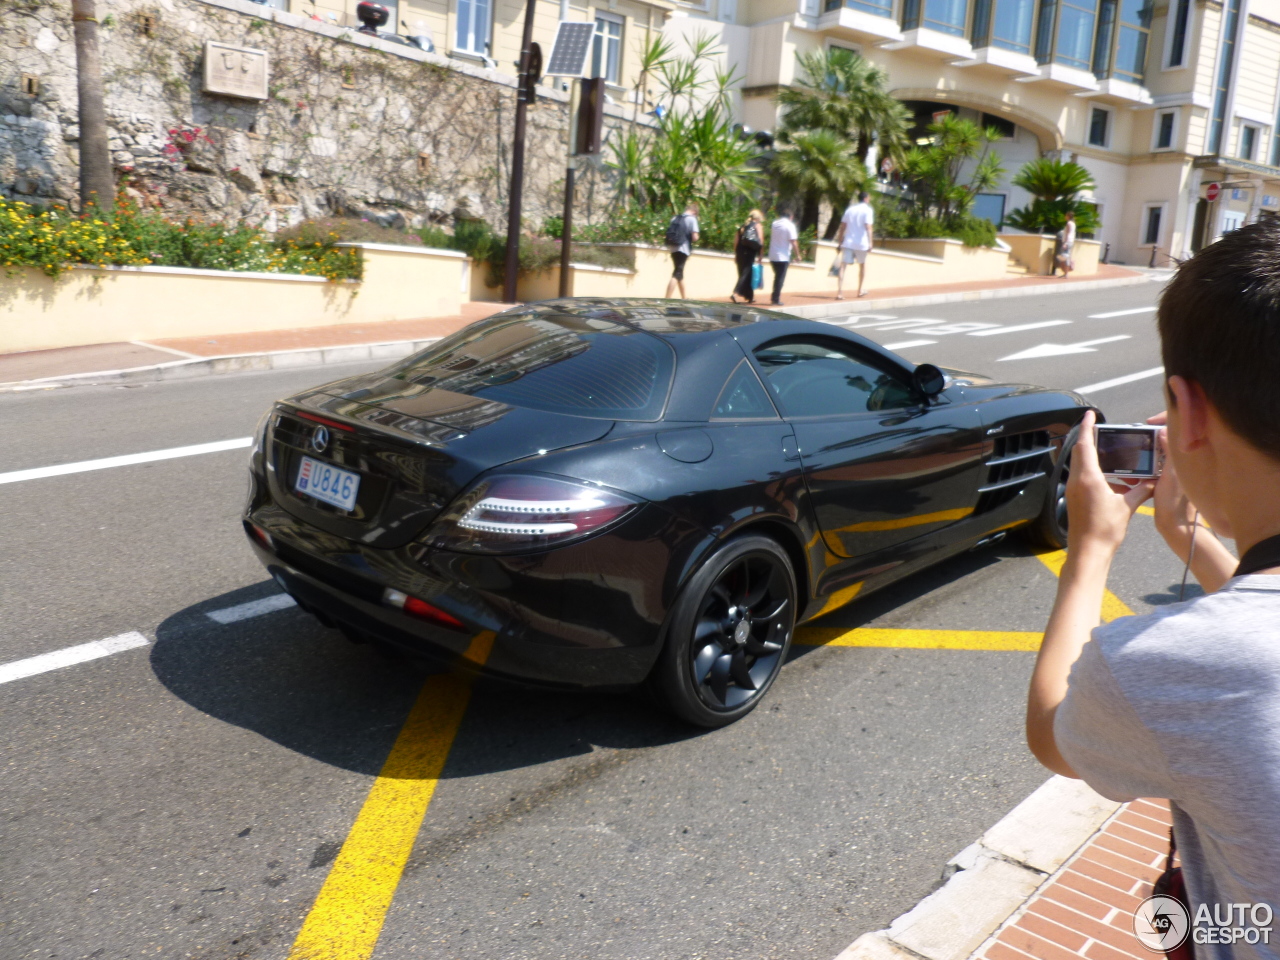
(678, 233)
(751, 233)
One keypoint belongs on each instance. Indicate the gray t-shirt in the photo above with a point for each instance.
(1184, 704)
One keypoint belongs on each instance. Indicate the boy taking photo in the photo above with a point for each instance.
(1184, 703)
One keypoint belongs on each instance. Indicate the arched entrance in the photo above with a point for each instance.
(1047, 133)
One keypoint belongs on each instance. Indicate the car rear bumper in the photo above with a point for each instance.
(588, 614)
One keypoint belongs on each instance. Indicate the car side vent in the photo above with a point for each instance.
(1016, 461)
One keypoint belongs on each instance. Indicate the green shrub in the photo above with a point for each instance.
(54, 239)
(893, 221)
(347, 230)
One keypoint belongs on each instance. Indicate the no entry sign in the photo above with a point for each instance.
(1213, 191)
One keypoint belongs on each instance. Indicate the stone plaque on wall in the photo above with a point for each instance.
(235, 71)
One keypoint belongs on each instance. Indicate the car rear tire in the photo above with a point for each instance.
(728, 634)
(1050, 528)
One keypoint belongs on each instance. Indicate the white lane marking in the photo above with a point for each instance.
(39, 473)
(68, 656)
(856, 319)
(1120, 313)
(1108, 384)
(254, 608)
(908, 343)
(906, 324)
(1020, 327)
(1061, 349)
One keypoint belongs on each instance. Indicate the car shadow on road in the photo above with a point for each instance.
(305, 687)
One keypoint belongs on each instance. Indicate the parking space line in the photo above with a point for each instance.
(918, 639)
(1113, 608)
(347, 917)
(68, 656)
(254, 608)
(39, 473)
(908, 343)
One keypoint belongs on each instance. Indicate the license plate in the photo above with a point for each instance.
(326, 482)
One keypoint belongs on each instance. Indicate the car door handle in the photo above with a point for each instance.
(790, 448)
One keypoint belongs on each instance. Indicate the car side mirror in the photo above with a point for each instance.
(928, 380)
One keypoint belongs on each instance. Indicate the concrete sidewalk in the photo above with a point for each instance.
(149, 361)
(1058, 878)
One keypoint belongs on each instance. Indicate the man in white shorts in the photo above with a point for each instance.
(855, 241)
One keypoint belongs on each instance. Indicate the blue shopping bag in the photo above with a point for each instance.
(757, 276)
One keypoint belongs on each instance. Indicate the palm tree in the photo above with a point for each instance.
(838, 90)
(1056, 186)
(934, 169)
(818, 165)
(96, 183)
(1047, 179)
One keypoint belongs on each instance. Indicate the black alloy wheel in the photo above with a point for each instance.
(1050, 528)
(729, 633)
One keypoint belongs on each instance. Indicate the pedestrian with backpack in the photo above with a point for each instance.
(682, 234)
(747, 247)
(784, 240)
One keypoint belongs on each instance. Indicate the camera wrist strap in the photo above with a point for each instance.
(1261, 556)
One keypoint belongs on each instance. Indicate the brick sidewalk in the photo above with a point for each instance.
(1086, 910)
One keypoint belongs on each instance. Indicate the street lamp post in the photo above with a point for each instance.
(530, 65)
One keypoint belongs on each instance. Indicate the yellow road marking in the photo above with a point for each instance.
(918, 639)
(1147, 511)
(347, 916)
(1113, 608)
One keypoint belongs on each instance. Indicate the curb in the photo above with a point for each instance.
(233, 363)
(987, 883)
(395, 349)
(820, 311)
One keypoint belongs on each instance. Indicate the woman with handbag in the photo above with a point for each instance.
(747, 247)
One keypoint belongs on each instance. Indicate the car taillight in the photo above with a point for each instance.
(515, 513)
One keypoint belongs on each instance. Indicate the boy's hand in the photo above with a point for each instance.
(1098, 515)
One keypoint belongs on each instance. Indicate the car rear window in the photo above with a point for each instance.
(584, 366)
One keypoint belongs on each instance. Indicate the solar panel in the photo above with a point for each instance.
(571, 50)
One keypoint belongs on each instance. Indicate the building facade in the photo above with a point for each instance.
(1159, 99)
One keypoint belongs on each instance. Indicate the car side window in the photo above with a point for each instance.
(743, 398)
(814, 379)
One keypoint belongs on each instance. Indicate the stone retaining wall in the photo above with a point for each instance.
(353, 125)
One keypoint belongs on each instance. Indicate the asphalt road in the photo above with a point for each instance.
(186, 798)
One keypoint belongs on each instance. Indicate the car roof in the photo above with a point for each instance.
(663, 318)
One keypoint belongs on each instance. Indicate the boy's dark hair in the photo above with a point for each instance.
(1219, 322)
(784, 211)
(862, 196)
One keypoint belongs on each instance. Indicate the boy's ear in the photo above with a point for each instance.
(1191, 407)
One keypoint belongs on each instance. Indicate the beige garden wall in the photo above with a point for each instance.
(111, 304)
(1035, 251)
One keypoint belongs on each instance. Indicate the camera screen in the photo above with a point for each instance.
(1127, 452)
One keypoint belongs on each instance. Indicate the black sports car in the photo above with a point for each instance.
(622, 491)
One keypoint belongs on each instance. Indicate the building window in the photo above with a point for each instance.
(1178, 33)
(475, 20)
(1066, 32)
(1248, 141)
(1121, 48)
(989, 206)
(879, 8)
(1099, 121)
(1275, 143)
(1151, 223)
(1226, 57)
(944, 16)
(606, 50)
(1165, 125)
